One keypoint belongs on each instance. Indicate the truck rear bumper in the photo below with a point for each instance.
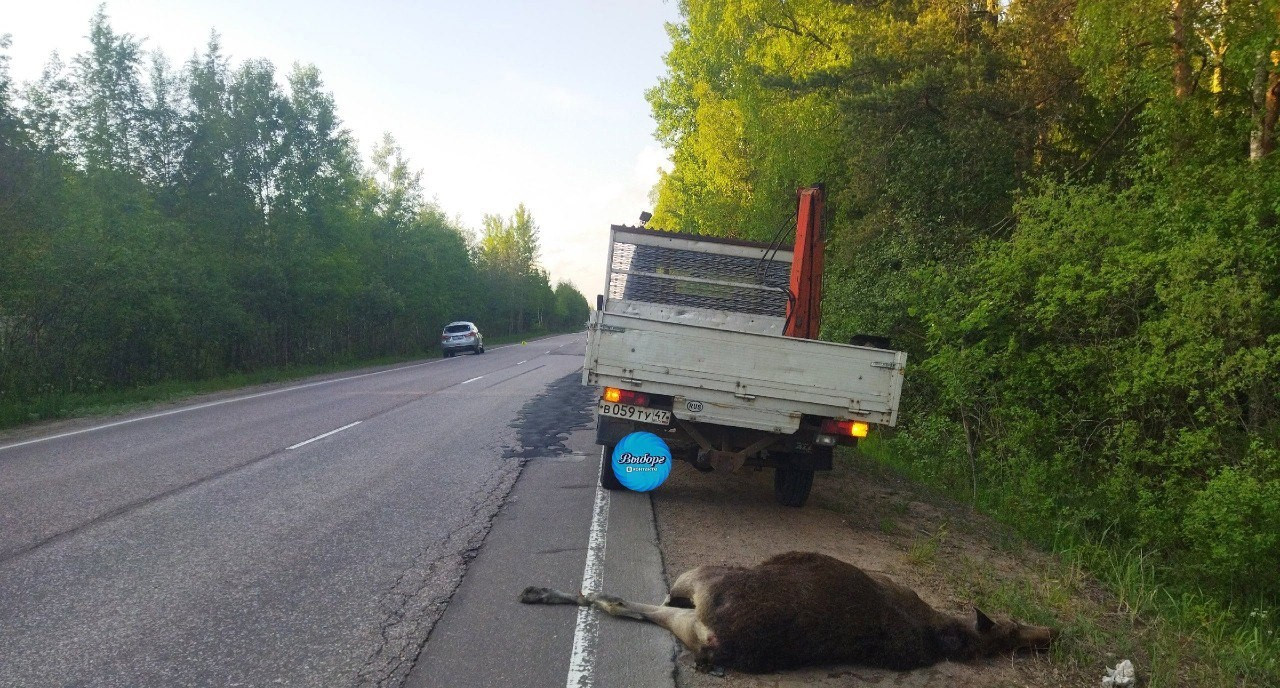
(796, 450)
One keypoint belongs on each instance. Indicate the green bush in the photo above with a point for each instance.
(1070, 232)
(1233, 527)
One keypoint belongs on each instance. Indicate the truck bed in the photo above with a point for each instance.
(739, 378)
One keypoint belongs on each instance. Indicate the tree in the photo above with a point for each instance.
(1064, 211)
(162, 139)
(161, 224)
(400, 196)
(524, 239)
(108, 103)
(46, 110)
(321, 163)
(256, 134)
(571, 309)
(508, 251)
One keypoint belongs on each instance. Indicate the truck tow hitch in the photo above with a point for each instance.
(720, 460)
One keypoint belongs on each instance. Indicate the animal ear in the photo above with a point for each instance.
(983, 622)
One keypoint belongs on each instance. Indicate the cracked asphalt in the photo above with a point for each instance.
(216, 545)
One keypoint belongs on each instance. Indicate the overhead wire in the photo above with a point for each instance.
(775, 244)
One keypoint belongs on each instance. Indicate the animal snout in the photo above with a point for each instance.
(1039, 637)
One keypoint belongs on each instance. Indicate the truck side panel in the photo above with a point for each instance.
(744, 379)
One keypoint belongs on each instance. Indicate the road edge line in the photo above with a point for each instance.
(582, 659)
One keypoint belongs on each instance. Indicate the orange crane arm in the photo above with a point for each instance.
(804, 310)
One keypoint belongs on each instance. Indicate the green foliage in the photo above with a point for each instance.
(1065, 212)
(571, 307)
(1107, 361)
(210, 221)
(1233, 525)
(508, 253)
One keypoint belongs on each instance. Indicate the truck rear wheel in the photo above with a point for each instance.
(608, 479)
(791, 486)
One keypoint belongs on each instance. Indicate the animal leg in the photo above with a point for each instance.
(536, 595)
(686, 584)
(683, 623)
(693, 586)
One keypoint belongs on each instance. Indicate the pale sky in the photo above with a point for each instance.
(497, 102)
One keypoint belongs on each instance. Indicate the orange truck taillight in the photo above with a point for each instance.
(844, 428)
(625, 396)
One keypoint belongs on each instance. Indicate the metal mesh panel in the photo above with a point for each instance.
(670, 265)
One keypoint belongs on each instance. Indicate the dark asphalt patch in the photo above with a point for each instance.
(547, 419)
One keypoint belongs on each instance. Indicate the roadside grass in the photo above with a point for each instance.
(1110, 603)
(925, 552)
(53, 404)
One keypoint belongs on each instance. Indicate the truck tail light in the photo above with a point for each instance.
(844, 428)
(625, 396)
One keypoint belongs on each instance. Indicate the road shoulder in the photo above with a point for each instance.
(487, 638)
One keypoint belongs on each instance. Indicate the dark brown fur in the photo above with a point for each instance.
(802, 609)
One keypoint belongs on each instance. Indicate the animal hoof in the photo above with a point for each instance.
(534, 595)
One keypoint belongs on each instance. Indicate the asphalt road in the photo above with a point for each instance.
(238, 542)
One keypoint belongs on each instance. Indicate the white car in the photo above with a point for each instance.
(461, 336)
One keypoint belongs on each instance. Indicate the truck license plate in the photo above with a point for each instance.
(637, 413)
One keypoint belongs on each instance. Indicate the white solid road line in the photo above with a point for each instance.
(247, 397)
(582, 660)
(211, 404)
(331, 432)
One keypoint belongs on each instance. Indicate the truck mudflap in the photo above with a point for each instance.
(813, 459)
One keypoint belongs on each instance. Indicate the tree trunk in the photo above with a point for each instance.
(969, 444)
(1271, 107)
(1262, 135)
(1181, 60)
(1217, 45)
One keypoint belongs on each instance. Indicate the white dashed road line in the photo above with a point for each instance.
(220, 402)
(471, 380)
(331, 432)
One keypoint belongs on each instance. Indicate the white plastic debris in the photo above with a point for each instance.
(1122, 675)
